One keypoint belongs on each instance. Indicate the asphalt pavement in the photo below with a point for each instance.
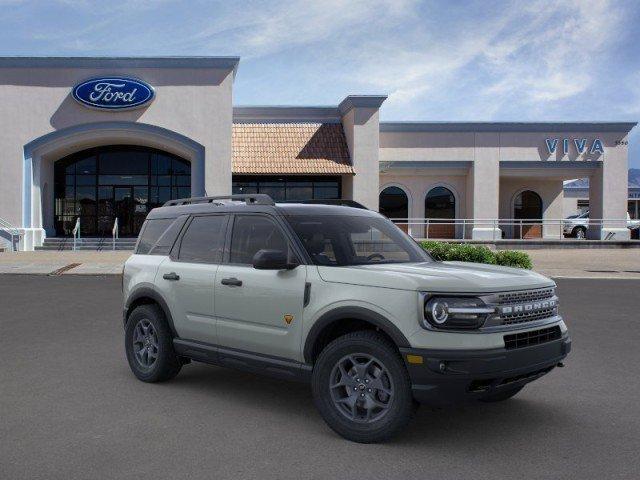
(71, 409)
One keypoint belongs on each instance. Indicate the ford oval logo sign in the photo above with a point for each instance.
(113, 93)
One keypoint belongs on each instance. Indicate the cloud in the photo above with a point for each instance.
(270, 27)
(534, 54)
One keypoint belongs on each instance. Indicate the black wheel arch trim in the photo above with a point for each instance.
(148, 292)
(352, 313)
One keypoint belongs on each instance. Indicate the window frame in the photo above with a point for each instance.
(292, 240)
(175, 250)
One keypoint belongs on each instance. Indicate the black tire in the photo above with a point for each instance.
(166, 364)
(400, 405)
(501, 396)
(580, 233)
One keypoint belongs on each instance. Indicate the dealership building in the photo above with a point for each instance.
(99, 139)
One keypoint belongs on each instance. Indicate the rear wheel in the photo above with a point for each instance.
(362, 388)
(580, 233)
(149, 345)
(501, 396)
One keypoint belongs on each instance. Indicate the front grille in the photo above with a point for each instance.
(525, 296)
(517, 316)
(524, 317)
(534, 337)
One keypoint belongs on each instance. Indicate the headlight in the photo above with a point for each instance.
(455, 312)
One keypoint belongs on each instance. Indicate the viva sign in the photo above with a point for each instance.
(580, 144)
(113, 93)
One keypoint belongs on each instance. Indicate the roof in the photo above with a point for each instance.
(223, 63)
(173, 211)
(290, 148)
(546, 127)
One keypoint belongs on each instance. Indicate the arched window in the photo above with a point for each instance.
(528, 207)
(440, 204)
(394, 204)
(121, 181)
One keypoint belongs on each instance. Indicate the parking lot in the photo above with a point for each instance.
(70, 408)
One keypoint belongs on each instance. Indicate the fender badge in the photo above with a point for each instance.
(288, 318)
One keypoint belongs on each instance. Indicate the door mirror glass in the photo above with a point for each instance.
(272, 260)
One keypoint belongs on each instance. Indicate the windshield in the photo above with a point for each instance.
(341, 240)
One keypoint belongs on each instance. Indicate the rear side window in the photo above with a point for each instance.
(151, 232)
(168, 238)
(203, 241)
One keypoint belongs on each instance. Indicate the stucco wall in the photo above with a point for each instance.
(193, 102)
(361, 128)
(550, 191)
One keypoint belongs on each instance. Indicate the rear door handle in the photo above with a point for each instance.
(171, 276)
(232, 282)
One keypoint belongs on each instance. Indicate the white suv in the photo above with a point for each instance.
(338, 297)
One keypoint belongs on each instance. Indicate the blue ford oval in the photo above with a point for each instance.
(113, 93)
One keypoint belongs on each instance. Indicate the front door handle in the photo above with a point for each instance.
(171, 276)
(232, 282)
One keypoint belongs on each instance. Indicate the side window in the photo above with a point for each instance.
(151, 232)
(168, 238)
(203, 241)
(319, 246)
(374, 246)
(252, 233)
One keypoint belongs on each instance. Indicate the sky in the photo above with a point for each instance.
(530, 60)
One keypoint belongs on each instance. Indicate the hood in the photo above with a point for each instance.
(442, 277)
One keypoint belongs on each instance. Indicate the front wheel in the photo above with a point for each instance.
(580, 233)
(362, 388)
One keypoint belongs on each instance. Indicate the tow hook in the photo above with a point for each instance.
(560, 365)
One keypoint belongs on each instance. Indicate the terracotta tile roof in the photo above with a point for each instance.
(290, 148)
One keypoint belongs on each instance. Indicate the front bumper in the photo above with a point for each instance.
(446, 377)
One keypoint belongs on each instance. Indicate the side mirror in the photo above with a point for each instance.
(272, 260)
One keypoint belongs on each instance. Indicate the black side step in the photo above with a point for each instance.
(250, 362)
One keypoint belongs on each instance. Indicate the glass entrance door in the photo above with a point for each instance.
(123, 202)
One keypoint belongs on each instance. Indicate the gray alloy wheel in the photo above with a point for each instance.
(361, 387)
(145, 343)
(148, 343)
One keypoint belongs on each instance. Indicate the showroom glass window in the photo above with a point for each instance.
(123, 182)
(289, 188)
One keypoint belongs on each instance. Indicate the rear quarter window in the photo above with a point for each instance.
(151, 233)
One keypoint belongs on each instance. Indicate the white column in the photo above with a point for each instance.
(417, 230)
(608, 194)
(485, 184)
(360, 121)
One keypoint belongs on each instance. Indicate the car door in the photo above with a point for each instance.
(187, 277)
(259, 311)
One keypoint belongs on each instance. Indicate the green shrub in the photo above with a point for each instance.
(438, 250)
(471, 253)
(464, 252)
(510, 258)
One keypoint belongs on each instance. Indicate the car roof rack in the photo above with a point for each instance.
(341, 202)
(249, 199)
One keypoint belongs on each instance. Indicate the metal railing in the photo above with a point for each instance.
(114, 234)
(13, 233)
(76, 233)
(511, 228)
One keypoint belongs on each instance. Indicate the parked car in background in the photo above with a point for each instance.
(576, 225)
